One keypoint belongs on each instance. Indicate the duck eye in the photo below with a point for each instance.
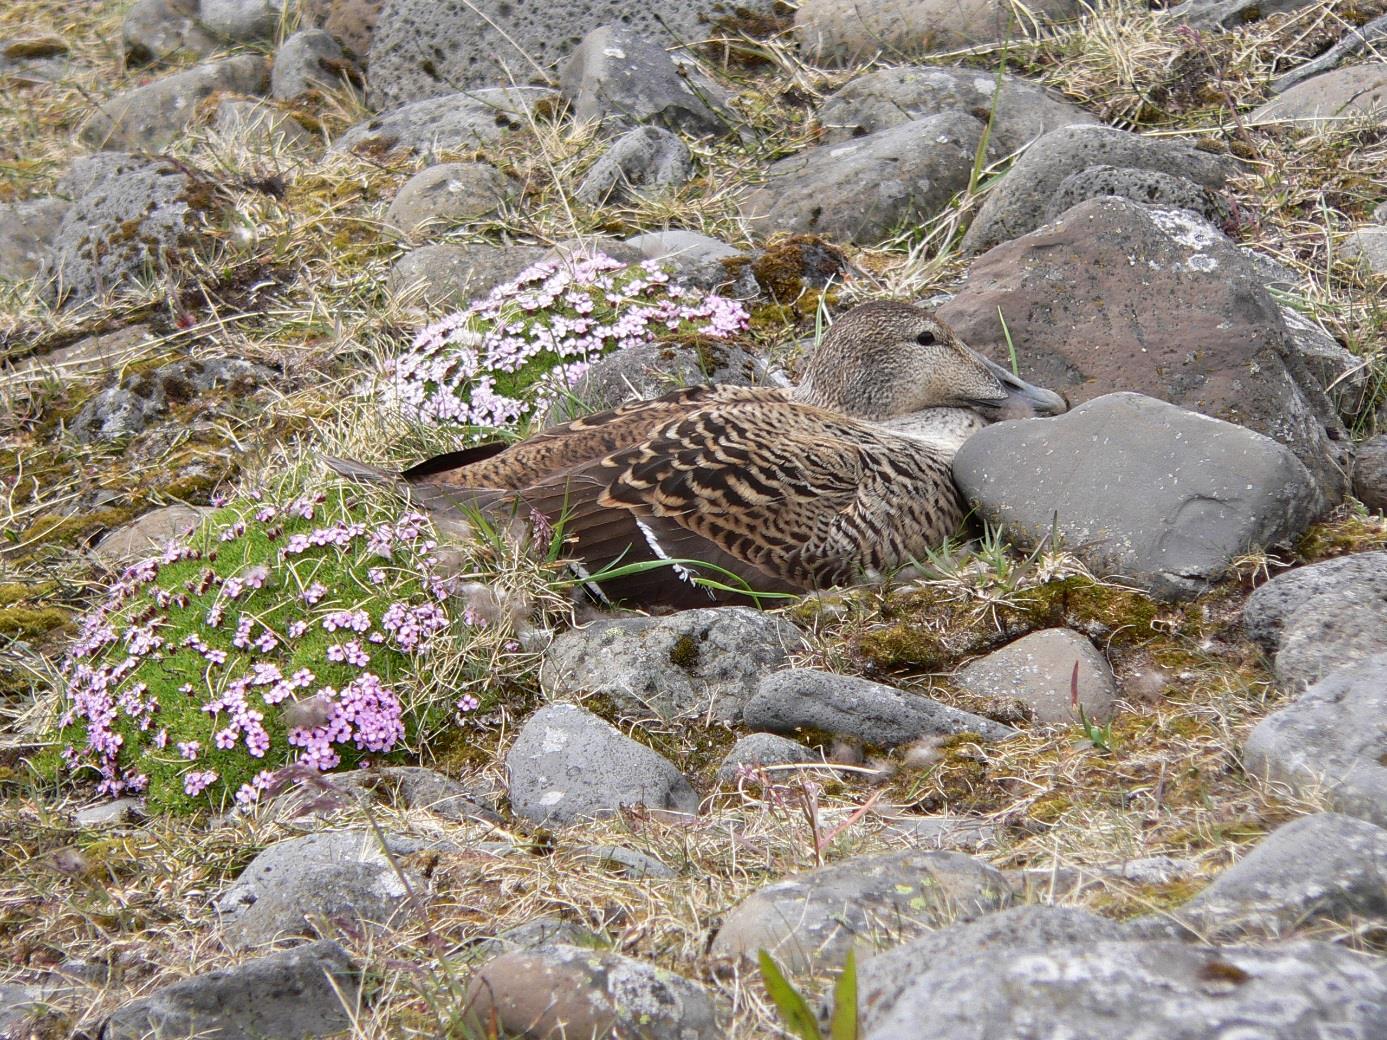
(926, 338)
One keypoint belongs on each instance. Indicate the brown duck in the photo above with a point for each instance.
(843, 477)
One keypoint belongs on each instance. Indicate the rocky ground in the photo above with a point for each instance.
(1116, 766)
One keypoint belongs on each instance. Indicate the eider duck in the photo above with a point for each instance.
(843, 477)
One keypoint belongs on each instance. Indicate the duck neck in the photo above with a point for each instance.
(944, 429)
(841, 394)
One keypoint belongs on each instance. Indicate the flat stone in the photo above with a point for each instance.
(1229, 14)
(808, 922)
(1161, 990)
(414, 787)
(149, 118)
(109, 814)
(447, 194)
(863, 190)
(1355, 39)
(1020, 109)
(763, 749)
(27, 231)
(1318, 618)
(92, 357)
(619, 77)
(641, 162)
(850, 32)
(307, 61)
(567, 991)
(567, 765)
(805, 699)
(443, 275)
(1021, 199)
(627, 862)
(453, 122)
(696, 259)
(949, 831)
(702, 663)
(1330, 744)
(1370, 473)
(1038, 670)
(1317, 870)
(1368, 246)
(1115, 296)
(148, 535)
(1358, 92)
(1138, 488)
(298, 993)
(158, 31)
(241, 21)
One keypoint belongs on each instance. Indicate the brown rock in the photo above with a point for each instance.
(352, 22)
(148, 534)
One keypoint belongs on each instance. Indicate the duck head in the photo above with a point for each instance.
(883, 360)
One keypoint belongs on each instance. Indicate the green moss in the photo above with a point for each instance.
(20, 621)
(1351, 534)
(684, 652)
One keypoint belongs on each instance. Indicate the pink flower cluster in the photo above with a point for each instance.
(552, 321)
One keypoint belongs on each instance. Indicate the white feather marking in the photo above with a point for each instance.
(591, 586)
(659, 550)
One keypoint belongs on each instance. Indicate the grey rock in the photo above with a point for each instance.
(158, 31)
(108, 814)
(148, 535)
(1339, 372)
(1354, 39)
(865, 189)
(1370, 473)
(702, 663)
(92, 357)
(696, 259)
(799, 699)
(534, 935)
(149, 118)
(241, 21)
(309, 60)
(414, 787)
(1317, 870)
(450, 276)
(884, 978)
(625, 861)
(27, 231)
(1331, 743)
(1229, 14)
(133, 404)
(641, 161)
(762, 749)
(949, 831)
(650, 369)
(1139, 488)
(1368, 246)
(1019, 201)
(1148, 187)
(620, 77)
(351, 22)
(1038, 669)
(1064, 882)
(1115, 296)
(567, 764)
(257, 126)
(286, 996)
(1358, 92)
(453, 122)
(1020, 110)
(20, 1008)
(849, 32)
(810, 921)
(424, 48)
(26, 62)
(581, 247)
(338, 878)
(449, 193)
(574, 992)
(1143, 991)
(1318, 618)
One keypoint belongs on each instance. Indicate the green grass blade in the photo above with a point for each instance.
(795, 1012)
(843, 1025)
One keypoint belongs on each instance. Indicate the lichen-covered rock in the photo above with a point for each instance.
(566, 991)
(810, 921)
(137, 400)
(644, 160)
(448, 275)
(351, 22)
(865, 189)
(1147, 187)
(701, 663)
(1020, 110)
(241, 21)
(567, 765)
(148, 118)
(449, 193)
(309, 60)
(1139, 488)
(27, 231)
(304, 992)
(762, 749)
(158, 31)
(453, 122)
(1039, 671)
(1318, 618)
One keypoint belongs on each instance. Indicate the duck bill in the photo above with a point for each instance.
(1022, 401)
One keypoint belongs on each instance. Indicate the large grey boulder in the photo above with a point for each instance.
(806, 699)
(847, 32)
(810, 921)
(1147, 187)
(1318, 618)
(1354, 93)
(131, 218)
(241, 21)
(1229, 14)
(1138, 488)
(307, 991)
(452, 122)
(1116, 296)
(148, 118)
(1161, 990)
(156, 31)
(424, 48)
(27, 231)
(1332, 742)
(864, 190)
(570, 991)
(702, 663)
(307, 61)
(621, 78)
(1317, 870)
(1020, 200)
(640, 162)
(1044, 671)
(567, 764)
(1020, 110)
(449, 193)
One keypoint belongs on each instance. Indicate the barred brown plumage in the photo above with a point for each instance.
(786, 489)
